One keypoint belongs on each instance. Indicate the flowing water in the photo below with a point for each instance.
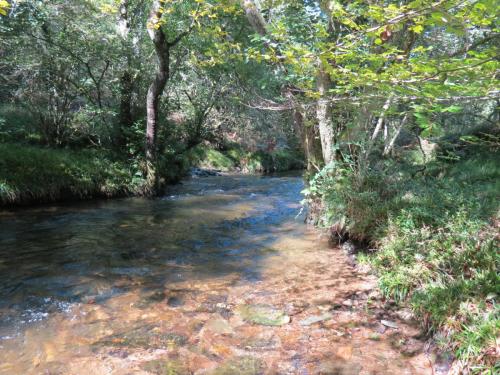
(220, 276)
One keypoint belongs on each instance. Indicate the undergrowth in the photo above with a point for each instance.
(32, 174)
(436, 233)
(235, 158)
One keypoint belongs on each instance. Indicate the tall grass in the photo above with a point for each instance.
(437, 234)
(32, 174)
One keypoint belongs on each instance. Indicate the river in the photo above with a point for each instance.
(220, 276)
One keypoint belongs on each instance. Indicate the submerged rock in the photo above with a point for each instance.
(315, 319)
(338, 367)
(219, 326)
(245, 365)
(200, 172)
(175, 301)
(147, 337)
(262, 314)
(165, 367)
(264, 340)
(150, 299)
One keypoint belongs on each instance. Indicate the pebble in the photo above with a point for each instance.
(389, 324)
(315, 319)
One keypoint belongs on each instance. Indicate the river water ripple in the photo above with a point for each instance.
(220, 276)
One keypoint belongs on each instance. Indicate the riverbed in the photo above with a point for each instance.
(219, 276)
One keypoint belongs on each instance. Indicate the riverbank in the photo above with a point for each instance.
(235, 159)
(430, 232)
(31, 175)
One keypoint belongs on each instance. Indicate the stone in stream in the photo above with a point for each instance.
(175, 301)
(389, 324)
(150, 299)
(265, 315)
(347, 303)
(215, 304)
(165, 367)
(315, 319)
(147, 337)
(219, 326)
(245, 365)
(338, 367)
(258, 340)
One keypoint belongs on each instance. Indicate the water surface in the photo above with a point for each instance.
(137, 286)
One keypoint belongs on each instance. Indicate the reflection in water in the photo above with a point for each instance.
(156, 286)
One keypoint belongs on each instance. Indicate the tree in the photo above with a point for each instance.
(162, 48)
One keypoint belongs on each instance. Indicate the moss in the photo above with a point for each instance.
(146, 337)
(165, 367)
(206, 157)
(263, 315)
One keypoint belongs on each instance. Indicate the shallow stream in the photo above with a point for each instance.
(220, 276)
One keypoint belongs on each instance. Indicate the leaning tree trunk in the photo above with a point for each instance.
(162, 49)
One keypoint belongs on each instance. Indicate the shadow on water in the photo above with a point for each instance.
(53, 257)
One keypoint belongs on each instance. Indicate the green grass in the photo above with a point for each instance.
(206, 157)
(235, 157)
(436, 234)
(31, 174)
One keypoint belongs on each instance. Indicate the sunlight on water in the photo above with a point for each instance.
(152, 286)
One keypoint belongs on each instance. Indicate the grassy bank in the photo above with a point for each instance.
(31, 174)
(435, 229)
(235, 158)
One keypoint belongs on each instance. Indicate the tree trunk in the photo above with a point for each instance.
(310, 146)
(324, 116)
(162, 49)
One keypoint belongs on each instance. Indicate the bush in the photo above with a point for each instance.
(204, 156)
(16, 125)
(436, 233)
(235, 157)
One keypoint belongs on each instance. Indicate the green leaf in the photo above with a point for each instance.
(417, 29)
(452, 109)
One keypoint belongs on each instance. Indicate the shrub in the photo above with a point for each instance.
(436, 233)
